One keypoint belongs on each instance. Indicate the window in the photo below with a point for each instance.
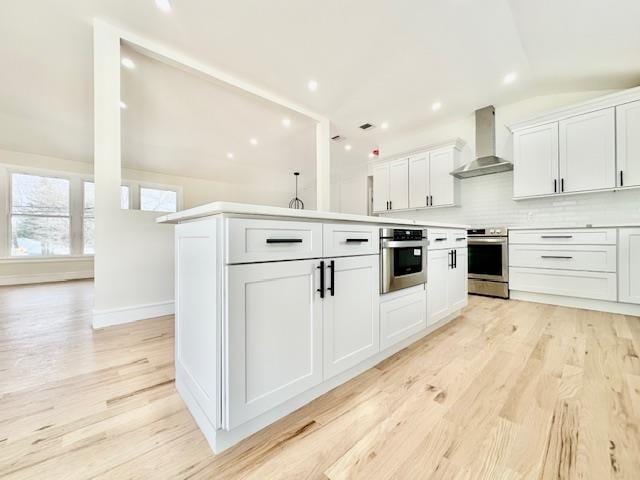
(158, 200)
(40, 215)
(88, 215)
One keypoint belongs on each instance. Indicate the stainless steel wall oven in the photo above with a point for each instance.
(403, 258)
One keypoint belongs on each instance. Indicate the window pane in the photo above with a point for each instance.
(89, 202)
(88, 229)
(39, 235)
(124, 197)
(154, 200)
(35, 195)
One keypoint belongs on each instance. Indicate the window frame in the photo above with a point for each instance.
(158, 186)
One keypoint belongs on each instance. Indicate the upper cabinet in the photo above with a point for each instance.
(628, 144)
(419, 181)
(594, 146)
(588, 151)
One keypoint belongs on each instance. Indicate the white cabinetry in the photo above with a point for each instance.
(350, 313)
(419, 180)
(402, 314)
(442, 184)
(535, 169)
(381, 187)
(457, 279)
(588, 152)
(447, 283)
(399, 184)
(628, 144)
(629, 265)
(275, 336)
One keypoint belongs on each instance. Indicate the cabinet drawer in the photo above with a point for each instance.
(340, 240)
(592, 285)
(586, 236)
(595, 258)
(266, 240)
(442, 239)
(402, 316)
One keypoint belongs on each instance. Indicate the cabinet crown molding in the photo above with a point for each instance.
(599, 103)
(456, 143)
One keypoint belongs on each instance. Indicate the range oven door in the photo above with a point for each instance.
(488, 258)
(403, 264)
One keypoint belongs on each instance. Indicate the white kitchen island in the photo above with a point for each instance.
(260, 331)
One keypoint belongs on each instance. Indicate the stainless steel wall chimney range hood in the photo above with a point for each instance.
(487, 161)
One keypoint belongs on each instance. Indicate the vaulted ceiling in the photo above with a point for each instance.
(374, 60)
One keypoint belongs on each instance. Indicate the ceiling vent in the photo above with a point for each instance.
(366, 126)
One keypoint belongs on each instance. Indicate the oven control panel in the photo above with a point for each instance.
(407, 234)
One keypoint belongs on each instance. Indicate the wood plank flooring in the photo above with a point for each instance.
(508, 390)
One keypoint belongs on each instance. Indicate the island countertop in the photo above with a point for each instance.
(217, 208)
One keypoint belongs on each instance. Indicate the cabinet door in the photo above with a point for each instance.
(402, 315)
(587, 151)
(399, 184)
(628, 142)
(351, 319)
(457, 279)
(275, 336)
(629, 267)
(438, 265)
(381, 188)
(535, 161)
(418, 180)
(441, 182)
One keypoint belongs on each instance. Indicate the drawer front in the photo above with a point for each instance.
(586, 236)
(441, 239)
(592, 285)
(457, 238)
(341, 240)
(403, 316)
(267, 240)
(595, 258)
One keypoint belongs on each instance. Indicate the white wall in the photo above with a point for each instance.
(487, 200)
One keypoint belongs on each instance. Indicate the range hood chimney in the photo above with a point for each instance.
(487, 161)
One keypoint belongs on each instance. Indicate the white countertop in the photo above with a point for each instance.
(217, 208)
(570, 227)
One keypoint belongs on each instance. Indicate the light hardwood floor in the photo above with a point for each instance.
(508, 390)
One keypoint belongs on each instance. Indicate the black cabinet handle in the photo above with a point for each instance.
(459, 239)
(555, 256)
(450, 260)
(427, 199)
(621, 178)
(555, 185)
(562, 184)
(284, 240)
(431, 200)
(332, 271)
(440, 239)
(321, 289)
(390, 204)
(387, 204)
(455, 258)
(356, 240)
(556, 236)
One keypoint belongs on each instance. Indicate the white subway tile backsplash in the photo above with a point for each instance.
(487, 200)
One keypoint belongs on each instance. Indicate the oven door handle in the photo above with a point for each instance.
(403, 244)
(480, 241)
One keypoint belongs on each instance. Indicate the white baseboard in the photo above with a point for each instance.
(118, 316)
(26, 279)
(584, 303)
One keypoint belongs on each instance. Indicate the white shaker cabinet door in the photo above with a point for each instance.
(535, 169)
(350, 312)
(418, 180)
(438, 265)
(588, 151)
(629, 265)
(441, 182)
(275, 335)
(381, 188)
(399, 184)
(458, 282)
(628, 144)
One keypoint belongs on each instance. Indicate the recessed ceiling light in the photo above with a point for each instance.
(128, 63)
(286, 122)
(164, 5)
(509, 78)
(347, 147)
(123, 105)
(312, 85)
(436, 106)
(229, 155)
(384, 125)
(253, 141)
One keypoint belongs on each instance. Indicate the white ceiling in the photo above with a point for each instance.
(374, 60)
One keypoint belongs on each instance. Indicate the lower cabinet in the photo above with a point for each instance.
(447, 285)
(629, 265)
(402, 314)
(274, 338)
(351, 319)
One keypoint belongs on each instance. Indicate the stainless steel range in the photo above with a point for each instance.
(488, 250)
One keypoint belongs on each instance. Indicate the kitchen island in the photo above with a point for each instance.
(275, 307)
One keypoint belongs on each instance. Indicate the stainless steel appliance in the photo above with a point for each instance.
(403, 258)
(488, 250)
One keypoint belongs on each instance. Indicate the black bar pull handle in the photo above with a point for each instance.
(556, 236)
(455, 258)
(427, 200)
(431, 200)
(555, 185)
(356, 240)
(562, 184)
(440, 239)
(450, 260)
(321, 289)
(390, 204)
(556, 256)
(284, 240)
(621, 178)
(332, 276)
